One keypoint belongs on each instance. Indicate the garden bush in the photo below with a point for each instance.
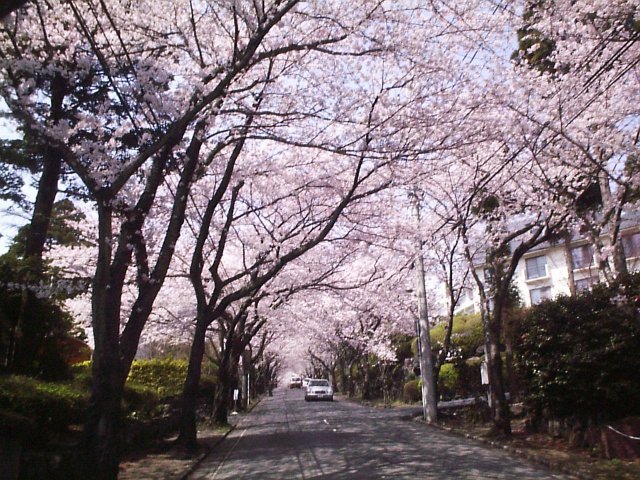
(165, 375)
(152, 385)
(402, 344)
(461, 379)
(52, 406)
(81, 373)
(469, 379)
(466, 337)
(411, 391)
(448, 381)
(141, 402)
(579, 356)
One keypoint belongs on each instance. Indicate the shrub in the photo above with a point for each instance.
(580, 356)
(402, 344)
(141, 402)
(411, 392)
(151, 385)
(81, 373)
(52, 406)
(469, 379)
(461, 378)
(448, 380)
(466, 337)
(166, 376)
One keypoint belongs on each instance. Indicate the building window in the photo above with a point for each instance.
(582, 256)
(539, 294)
(631, 245)
(488, 276)
(584, 284)
(536, 267)
(467, 294)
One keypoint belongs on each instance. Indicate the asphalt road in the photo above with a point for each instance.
(285, 437)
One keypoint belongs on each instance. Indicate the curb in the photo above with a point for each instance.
(208, 450)
(204, 455)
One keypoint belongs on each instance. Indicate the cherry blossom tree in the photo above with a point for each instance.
(143, 101)
(267, 131)
(348, 326)
(495, 217)
(506, 148)
(287, 226)
(348, 161)
(589, 124)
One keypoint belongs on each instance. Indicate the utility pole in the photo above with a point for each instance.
(429, 400)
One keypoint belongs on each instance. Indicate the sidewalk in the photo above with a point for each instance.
(165, 463)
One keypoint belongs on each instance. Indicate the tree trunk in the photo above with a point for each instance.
(227, 381)
(188, 437)
(102, 446)
(20, 356)
(366, 381)
(351, 386)
(344, 380)
(43, 207)
(619, 260)
(499, 407)
(334, 368)
(103, 430)
(448, 329)
(244, 378)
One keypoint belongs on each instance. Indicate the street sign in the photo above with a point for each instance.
(484, 373)
(236, 392)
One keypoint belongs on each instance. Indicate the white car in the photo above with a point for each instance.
(319, 389)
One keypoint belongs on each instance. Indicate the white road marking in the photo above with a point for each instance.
(229, 453)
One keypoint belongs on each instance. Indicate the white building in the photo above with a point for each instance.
(546, 271)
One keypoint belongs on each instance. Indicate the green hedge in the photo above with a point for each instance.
(153, 384)
(166, 376)
(81, 373)
(52, 406)
(448, 381)
(466, 337)
(151, 389)
(580, 356)
(461, 379)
